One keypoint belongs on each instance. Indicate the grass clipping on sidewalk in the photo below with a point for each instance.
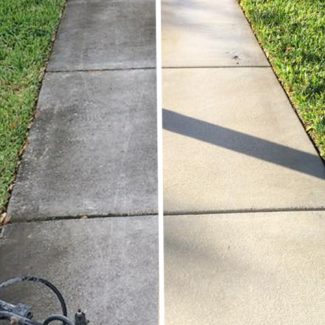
(292, 33)
(27, 28)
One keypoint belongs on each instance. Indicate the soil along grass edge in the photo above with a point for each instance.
(27, 29)
(292, 34)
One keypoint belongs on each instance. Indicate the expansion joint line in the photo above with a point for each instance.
(242, 211)
(101, 70)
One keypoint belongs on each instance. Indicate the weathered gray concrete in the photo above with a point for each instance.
(233, 142)
(104, 34)
(92, 147)
(245, 269)
(109, 267)
(207, 33)
(92, 150)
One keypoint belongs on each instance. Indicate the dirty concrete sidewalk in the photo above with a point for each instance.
(92, 152)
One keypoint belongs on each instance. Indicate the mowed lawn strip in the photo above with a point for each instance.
(27, 28)
(292, 33)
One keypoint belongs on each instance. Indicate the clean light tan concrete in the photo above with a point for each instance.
(233, 142)
(207, 33)
(245, 269)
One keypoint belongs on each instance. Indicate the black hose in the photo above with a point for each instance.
(63, 319)
(43, 281)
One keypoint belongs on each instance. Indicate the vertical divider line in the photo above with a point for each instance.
(160, 164)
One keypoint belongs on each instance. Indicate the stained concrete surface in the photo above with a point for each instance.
(105, 35)
(245, 269)
(92, 151)
(207, 33)
(92, 148)
(233, 142)
(108, 267)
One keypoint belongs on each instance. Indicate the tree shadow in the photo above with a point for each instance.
(249, 145)
(175, 14)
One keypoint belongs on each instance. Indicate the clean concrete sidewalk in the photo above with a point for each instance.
(238, 269)
(92, 152)
(233, 144)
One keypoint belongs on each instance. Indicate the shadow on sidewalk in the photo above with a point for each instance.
(246, 144)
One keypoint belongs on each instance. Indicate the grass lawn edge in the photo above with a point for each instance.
(312, 134)
(7, 185)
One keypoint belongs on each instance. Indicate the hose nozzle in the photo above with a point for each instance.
(80, 318)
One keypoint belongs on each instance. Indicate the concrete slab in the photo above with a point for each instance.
(232, 142)
(245, 269)
(92, 148)
(105, 35)
(107, 266)
(207, 33)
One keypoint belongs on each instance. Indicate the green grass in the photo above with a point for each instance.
(27, 28)
(292, 33)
